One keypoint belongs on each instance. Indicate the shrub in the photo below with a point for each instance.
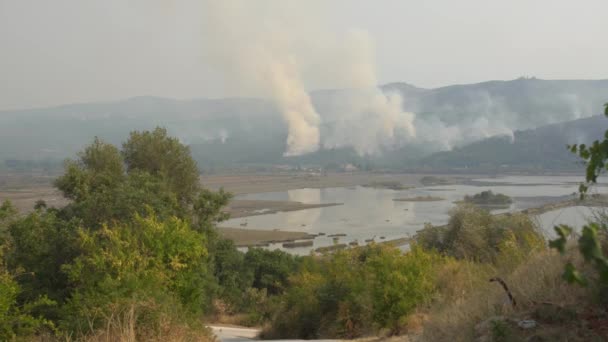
(475, 234)
(16, 319)
(488, 198)
(154, 270)
(355, 292)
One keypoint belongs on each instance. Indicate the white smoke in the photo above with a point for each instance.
(365, 118)
(256, 56)
(273, 50)
(275, 60)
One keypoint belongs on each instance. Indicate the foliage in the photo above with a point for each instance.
(488, 198)
(208, 208)
(270, 269)
(41, 243)
(595, 157)
(354, 292)
(102, 192)
(130, 252)
(165, 157)
(98, 167)
(15, 320)
(150, 266)
(474, 234)
(229, 269)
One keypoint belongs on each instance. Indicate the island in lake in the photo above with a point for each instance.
(488, 199)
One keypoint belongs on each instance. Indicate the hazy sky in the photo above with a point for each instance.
(64, 51)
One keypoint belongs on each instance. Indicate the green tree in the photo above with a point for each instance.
(41, 243)
(355, 292)
(163, 156)
(157, 268)
(232, 275)
(474, 234)
(271, 269)
(102, 192)
(595, 157)
(133, 244)
(16, 318)
(208, 209)
(98, 168)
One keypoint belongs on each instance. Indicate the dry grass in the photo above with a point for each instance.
(468, 298)
(122, 326)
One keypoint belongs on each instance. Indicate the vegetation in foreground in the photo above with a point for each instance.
(135, 256)
(488, 198)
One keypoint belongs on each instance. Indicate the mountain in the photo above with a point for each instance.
(543, 148)
(236, 132)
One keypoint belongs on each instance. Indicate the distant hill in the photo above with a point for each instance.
(543, 148)
(235, 132)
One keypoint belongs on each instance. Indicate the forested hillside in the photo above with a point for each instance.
(236, 132)
(543, 148)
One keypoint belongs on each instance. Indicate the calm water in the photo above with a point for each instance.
(372, 213)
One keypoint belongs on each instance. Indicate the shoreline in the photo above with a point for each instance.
(591, 202)
(246, 208)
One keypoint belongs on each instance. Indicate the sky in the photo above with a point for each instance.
(67, 51)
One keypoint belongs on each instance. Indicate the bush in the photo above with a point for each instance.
(474, 234)
(488, 198)
(355, 292)
(15, 319)
(154, 271)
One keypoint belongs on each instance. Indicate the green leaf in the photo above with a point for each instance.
(571, 275)
(563, 231)
(589, 243)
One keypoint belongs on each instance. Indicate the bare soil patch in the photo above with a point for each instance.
(252, 237)
(242, 208)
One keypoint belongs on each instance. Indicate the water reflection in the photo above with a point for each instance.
(369, 212)
(303, 218)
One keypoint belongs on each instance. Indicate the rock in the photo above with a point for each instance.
(527, 324)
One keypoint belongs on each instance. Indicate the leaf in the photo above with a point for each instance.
(563, 231)
(571, 275)
(589, 244)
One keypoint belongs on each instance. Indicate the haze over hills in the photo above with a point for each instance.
(238, 132)
(542, 148)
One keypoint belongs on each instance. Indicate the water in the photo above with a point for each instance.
(369, 213)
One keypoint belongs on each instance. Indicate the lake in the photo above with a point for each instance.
(372, 213)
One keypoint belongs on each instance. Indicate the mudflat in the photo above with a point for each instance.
(242, 208)
(253, 237)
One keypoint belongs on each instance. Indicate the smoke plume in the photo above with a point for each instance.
(255, 55)
(265, 57)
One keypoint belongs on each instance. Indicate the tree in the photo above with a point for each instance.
(16, 317)
(133, 244)
(98, 167)
(41, 243)
(101, 191)
(163, 156)
(156, 268)
(595, 157)
(271, 269)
